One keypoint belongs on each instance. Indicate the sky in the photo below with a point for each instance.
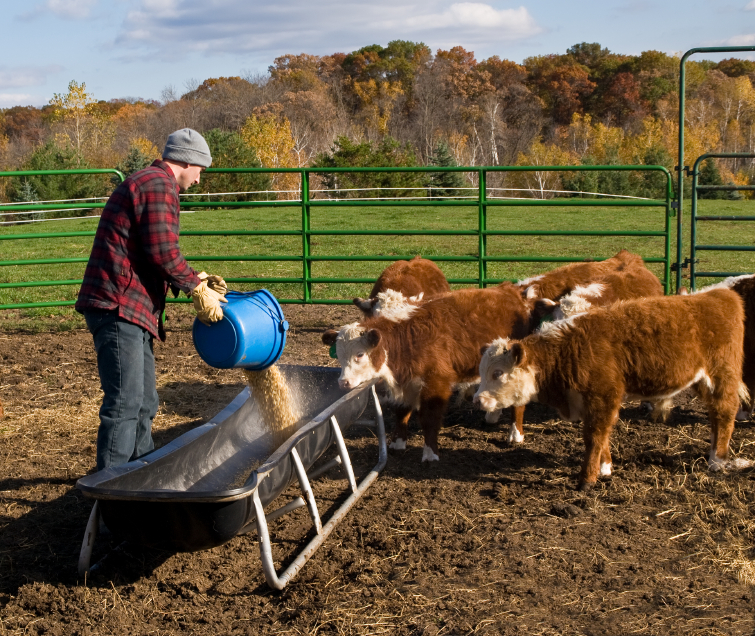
(146, 48)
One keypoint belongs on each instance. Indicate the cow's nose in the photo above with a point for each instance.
(344, 384)
(476, 400)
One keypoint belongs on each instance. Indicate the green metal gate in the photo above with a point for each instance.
(694, 274)
(695, 218)
(485, 205)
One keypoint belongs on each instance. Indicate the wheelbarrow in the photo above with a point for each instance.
(213, 483)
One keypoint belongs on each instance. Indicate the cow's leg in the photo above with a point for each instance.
(748, 377)
(516, 432)
(601, 413)
(431, 410)
(401, 430)
(722, 408)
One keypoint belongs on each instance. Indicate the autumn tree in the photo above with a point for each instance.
(270, 137)
(561, 82)
(82, 123)
(542, 183)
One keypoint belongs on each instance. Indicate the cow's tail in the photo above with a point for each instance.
(744, 393)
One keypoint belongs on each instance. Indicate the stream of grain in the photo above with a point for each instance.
(270, 392)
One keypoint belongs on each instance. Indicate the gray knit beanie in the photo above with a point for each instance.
(189, 146)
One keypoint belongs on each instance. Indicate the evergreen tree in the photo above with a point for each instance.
(134, 161)
(652, 184)
(388, 153)
(228, 150)
(444, 184)
(709, 175)
(51, 156)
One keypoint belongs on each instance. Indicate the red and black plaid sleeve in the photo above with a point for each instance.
(135, 257)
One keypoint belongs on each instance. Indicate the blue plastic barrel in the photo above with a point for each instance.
(251, 334)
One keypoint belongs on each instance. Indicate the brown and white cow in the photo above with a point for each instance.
(745, 287)
(421, 358)
(636, 281)
(650, 348)
(402, 283)
(579, 286)
(562, 280)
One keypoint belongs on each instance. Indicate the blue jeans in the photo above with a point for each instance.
(126, 364)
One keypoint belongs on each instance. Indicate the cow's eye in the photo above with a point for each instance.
(360, 355)
(497, 374)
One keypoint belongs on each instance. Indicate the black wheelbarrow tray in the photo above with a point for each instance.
(213, 482)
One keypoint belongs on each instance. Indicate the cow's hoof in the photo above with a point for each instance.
(398, 444)
(515, 437)
(428, 455)
(586, 486)
(743, 416)
(715, 464)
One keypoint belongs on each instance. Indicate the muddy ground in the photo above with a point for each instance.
(490, 540)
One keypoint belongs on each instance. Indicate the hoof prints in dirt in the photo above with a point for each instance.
(490, 540)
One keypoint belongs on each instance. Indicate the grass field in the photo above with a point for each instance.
(452, 219)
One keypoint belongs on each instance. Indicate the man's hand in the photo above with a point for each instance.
(216, 283)
(207, 303)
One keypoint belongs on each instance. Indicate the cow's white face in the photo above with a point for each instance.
(394, 306)
(579, 301)
(505, 377)
(353, 347)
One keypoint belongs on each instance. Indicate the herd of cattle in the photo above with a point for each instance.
(581, 338)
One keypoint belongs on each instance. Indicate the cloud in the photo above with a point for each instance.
(742, 40)
(66, 9)
(21, 76)
(171, 28)
(750, 6)
(15, 99)
(72, 9)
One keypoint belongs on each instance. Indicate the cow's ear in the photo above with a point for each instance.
(372, 337)
(531, 292)
(517, 353)
(365, 304)
(483, 349)
(329, 337)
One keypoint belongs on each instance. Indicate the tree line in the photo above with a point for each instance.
(402, 105)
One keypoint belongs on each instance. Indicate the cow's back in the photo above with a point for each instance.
(444, 335)
(653, 342)
(412, 278)
(627, 283)
(560, 281)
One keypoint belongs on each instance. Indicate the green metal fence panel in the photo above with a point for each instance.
(695, 218)
(482, 202)
(681, 168)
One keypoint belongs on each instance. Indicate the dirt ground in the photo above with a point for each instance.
(490, 540)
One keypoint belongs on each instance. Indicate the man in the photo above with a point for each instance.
(135, 259)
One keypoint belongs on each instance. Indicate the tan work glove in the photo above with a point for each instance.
(207, 303)
(216, 283)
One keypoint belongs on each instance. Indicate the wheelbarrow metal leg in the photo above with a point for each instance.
(85, 556)
(266, 555)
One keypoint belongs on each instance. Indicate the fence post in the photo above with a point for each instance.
(482, 270)
(305, 227)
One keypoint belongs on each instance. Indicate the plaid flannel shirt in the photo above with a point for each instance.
(135, 258)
